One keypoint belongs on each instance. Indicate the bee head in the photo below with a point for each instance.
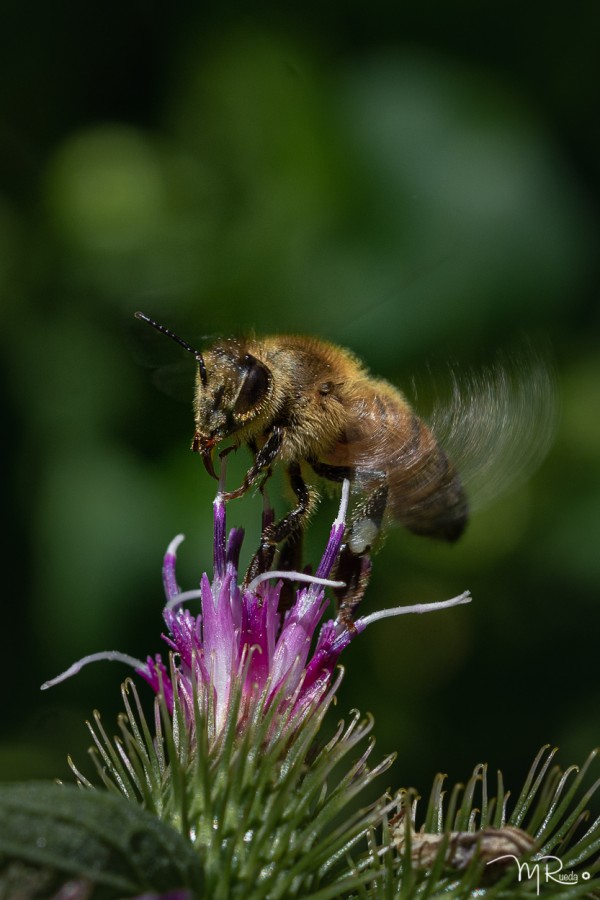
(230, 398)
(232, 392)
(232, 387)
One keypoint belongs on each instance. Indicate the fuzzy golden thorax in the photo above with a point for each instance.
(255, 384)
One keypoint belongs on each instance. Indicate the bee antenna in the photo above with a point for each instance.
(174, 337)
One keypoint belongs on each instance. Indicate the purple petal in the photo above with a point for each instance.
(293, 644)
(155, 673)
(332, 550)
(169, 562)
(320, 669)
(336, 535)
(260, 622)
(234, 545)
(220, 639)
(219, 552)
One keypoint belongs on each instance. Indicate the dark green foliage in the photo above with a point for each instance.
(51, 832)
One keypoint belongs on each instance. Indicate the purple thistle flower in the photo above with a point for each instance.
(240, 633)
(242, 639)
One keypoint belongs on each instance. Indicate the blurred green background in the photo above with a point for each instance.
(416, 183)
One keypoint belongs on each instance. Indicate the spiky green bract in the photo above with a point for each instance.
(269, 816)
(470, 845)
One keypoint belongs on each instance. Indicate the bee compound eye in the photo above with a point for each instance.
(255, 386)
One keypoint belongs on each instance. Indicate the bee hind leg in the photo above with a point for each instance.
(354, 565)
(367, 520)
(355, 571)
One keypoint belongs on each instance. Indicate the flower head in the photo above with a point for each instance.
(241, 635)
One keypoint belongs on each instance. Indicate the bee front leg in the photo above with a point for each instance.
(264, 458)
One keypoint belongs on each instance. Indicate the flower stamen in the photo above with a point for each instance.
(110, 655)
(465, 597)
(292, 576)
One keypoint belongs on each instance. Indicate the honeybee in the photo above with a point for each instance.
(308, 403)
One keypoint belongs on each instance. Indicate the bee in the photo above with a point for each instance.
(304, 402)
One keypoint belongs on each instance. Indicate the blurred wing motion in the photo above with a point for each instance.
(499, 423)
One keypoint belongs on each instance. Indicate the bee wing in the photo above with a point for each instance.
(173, 368)
(176, 380)
(498, 423)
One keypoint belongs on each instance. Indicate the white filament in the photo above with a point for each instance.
(110, 655)
(293, 576)
(174, 545)
(341, 516)
(416, 608)
(195, 594)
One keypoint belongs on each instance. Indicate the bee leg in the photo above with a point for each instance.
(263, 460)
(290, 527)
(287, 529)
(263, 558)
(289, 560)
(354, 570)
(332, 473)
(367, 520)
(354, 565)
